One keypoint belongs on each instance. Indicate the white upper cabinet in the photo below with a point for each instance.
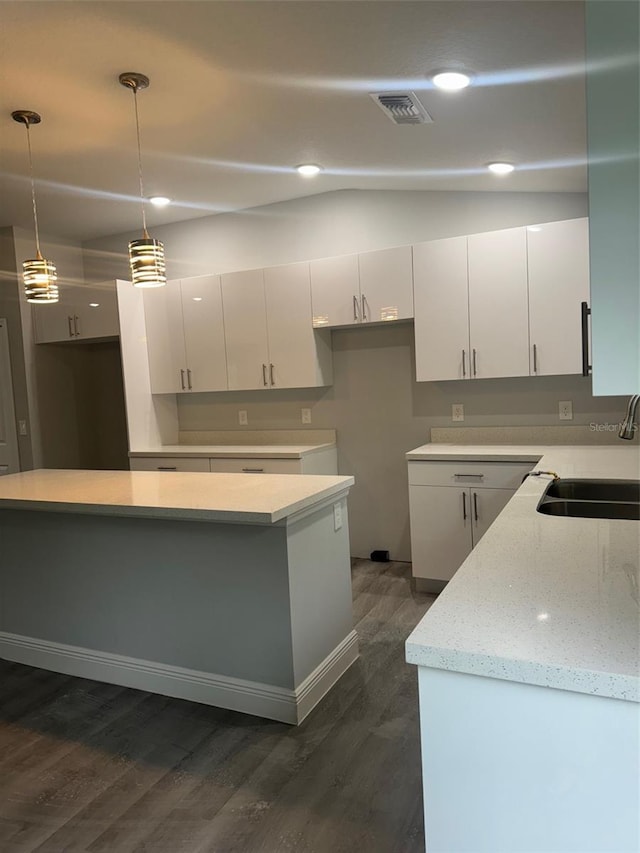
(185, 336)
(558, 257)
(335, 291)
(204, 333)
(441, 310)
(299, 357)
(83, 312)
(498, 303)
(386, 291)
(270, 340)
(245, 328)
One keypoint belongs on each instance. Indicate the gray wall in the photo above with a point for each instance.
(375, 404)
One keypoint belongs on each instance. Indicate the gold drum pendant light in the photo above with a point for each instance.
(39, 275)
(146, 256)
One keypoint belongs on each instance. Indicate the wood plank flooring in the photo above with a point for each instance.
(87, 767)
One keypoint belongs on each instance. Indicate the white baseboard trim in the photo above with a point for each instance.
(222, 691)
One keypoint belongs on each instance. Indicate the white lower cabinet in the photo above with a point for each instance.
(321, 462)
(451, 507)
(167, 463)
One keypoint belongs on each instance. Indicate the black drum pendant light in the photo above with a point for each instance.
(38, 274)
(146, 256)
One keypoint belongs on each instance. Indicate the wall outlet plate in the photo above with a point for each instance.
(242, 417)
(457, 412)
(337, 516)
(22, 427)
(565, 410)
(306, 416)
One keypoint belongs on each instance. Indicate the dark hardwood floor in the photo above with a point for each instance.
(92, 767)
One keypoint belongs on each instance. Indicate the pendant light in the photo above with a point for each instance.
(38, 274)
(146, 256)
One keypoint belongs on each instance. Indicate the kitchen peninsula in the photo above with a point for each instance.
(529, 673)
(225, 589)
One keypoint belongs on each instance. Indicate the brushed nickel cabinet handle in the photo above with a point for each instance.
(464, 506)
(468, 476)
(75, 326)
(167, 468)
(253, 470)
(364, 309)
(273, 382)
(535, 358)
(475, 371)
(264, 375)
(464, 363)
(69, 320)
(182, 378)
(356, 310)
(585, 312)
(475, 506)
(189, 384)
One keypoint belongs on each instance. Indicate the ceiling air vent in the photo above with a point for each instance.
(402, 107)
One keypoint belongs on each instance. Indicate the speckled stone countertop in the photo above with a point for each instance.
(543, 600)
(184, 496)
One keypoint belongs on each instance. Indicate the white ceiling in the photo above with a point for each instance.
(242, 91)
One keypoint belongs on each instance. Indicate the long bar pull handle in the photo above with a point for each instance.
(189, 383)
(272, 380)
(475, 370)
(464, 363)
(356, 310)
(535, 358)
(75, 326)
(585, 312)
(364, 309)
(464, 506)
(70, 320)
(253, 470)
(475, 506)
(468, 476)
(167, 468)
(264, 375)
(182, 378)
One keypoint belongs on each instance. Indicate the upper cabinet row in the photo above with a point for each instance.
(84, 312)
(239, 331)
(503, 303)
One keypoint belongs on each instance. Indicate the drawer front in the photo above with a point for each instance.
(168, 463)
(256, 466)
(488, 475)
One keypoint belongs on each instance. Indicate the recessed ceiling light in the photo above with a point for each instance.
(534, 227)
(94, 305)
(451, 81)
(160, 200)
(309, 170)
(500, 168)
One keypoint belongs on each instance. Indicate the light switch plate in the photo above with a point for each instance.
(565, 410)
(306, 416)
(242, 417)
(457, 412)
(22, 427)
(337, 516)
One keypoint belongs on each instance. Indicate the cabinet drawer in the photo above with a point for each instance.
(168, 463)
(256, 466)
(488, 475)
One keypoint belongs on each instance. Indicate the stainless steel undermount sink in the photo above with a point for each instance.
(618, 499)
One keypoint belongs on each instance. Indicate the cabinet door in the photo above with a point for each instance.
(206, 358)
(165, 338)
(441, 297)
(440, 533)
(96, 311)
(335, 291)
(55, 322)
(386, 285)
(486, 505)
(293, 355)
(558, 260)
(498, 303)
(245, 330)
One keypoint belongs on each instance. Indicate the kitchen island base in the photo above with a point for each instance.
(516, 768)
(252, 617)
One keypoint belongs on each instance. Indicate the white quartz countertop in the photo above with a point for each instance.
(235, 498)
(481, 452)
(234, 451)
(543, 600)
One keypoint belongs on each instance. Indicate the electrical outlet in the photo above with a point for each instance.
(242, 417)
(565, 410)
(22, 427)
(457, 412)
(337, 516)
(306, 416)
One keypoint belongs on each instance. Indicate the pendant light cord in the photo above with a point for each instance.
(33, 192)
(144, 218)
